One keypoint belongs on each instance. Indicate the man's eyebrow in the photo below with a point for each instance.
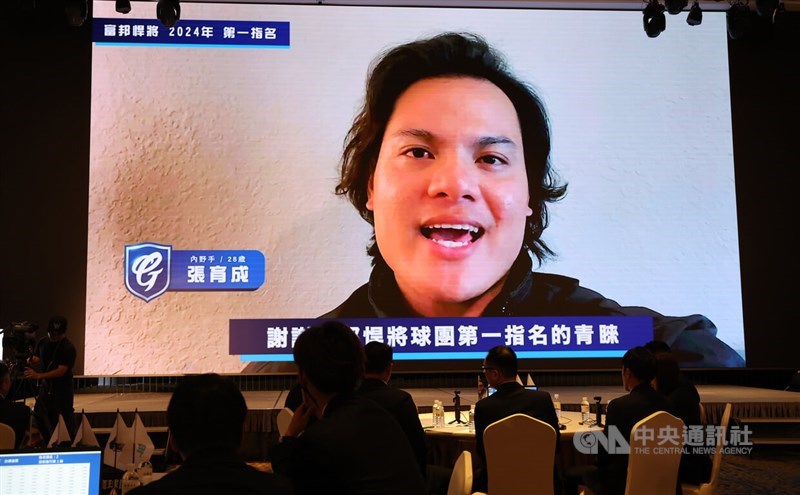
(418, 133)
(490, 140)
(481, 142)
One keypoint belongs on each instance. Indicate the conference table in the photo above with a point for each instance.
(445, 443)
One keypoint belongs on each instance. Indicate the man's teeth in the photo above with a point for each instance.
(451, 244)
(469, 228)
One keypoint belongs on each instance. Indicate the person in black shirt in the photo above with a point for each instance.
(55, 357)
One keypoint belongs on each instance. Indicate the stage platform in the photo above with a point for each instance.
(758, 405)
(748, 402)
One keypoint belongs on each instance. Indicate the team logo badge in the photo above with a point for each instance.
(147, 267)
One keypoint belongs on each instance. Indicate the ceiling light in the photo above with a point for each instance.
(695, 16)
(653, 18)
(168, 12)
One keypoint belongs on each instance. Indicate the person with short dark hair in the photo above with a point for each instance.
(354, 447)
(14, 414)
(622, 413)
(399, 403)
(55, 356)
(500, 368)
(695, 468)
(206, 415)
(449, 160)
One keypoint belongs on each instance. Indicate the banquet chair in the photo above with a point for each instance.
(712, 487)
(461, 478)
(520, 455)
(283, 419)
(7, 437)
(652, 472)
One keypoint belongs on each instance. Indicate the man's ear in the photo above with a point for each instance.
(369, 192)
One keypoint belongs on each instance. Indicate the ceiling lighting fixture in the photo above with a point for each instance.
(695, 16)
(675, 6)
(738, 20)
(76, 12)
(168, 12)
(653, 18)
(123, 6)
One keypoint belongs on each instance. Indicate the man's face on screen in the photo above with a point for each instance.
(450, 194)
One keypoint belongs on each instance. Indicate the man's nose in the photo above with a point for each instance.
(455, 177)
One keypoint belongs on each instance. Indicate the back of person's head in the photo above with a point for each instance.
(503, 359)
(449, 55)
(378, 357)
(57, 325)
(641, 363)
(331, 357)
(657, 346)
(5, 378)
(206, 412)
(668, 372)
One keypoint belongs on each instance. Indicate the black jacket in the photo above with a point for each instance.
(623, 413)
(526, 293)
(511, 398)
(400, 405)
(17, 416)
(356, 448)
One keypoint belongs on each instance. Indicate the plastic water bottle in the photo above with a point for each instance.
(471, 423)
(584, 410)
(557, 405)
(441, 414)
(130, 479)
(437, 409)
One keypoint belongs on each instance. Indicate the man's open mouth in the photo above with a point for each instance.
(452, 235)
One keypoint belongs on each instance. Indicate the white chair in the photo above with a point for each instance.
(654, 458)
(7, 437)
(461, 478)
(712, 487)
(284, 418)
(520, 455)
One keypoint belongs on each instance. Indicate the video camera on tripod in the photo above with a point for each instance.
(19, 339)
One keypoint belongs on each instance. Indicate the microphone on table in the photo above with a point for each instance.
(598, 411)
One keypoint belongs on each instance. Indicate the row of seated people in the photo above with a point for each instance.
(352, 433)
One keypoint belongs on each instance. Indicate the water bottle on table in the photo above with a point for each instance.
(584, 410)
(557, 406)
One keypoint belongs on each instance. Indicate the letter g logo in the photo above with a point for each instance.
(147, 269)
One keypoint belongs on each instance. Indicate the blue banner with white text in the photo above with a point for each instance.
(192, 32)
(456, 338)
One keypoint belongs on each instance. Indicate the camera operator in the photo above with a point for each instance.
(55, 356)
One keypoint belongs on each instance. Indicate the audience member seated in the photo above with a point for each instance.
(695, 468)
(378, 370)
(354, 447)
(610, 474)
(14, 414)
(500, 369)
(206, 415)
(400, 404)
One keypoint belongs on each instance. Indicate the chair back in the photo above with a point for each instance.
(8, 438)
(713, 482)
(461, 478)
(283, 419)
(520, 455)
(656, 443)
